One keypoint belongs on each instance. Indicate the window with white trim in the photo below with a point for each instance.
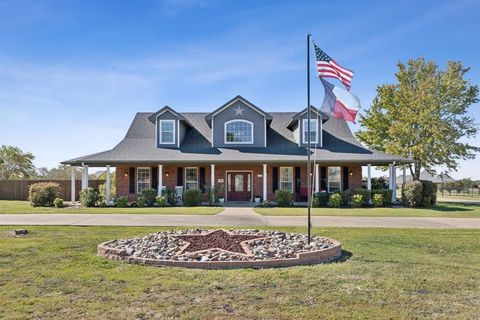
(143, 179)
(238, 131)
(191, 178)
(286, 178)
(334, 179)
(167, 131)
(313, 131)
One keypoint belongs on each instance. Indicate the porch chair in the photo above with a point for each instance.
(179, 190)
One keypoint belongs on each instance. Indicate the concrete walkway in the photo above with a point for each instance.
(234, 217)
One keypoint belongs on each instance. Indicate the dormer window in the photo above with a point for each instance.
(313, 131)
(167, 131)
(238, 132)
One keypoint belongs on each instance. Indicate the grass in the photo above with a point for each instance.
(55, 273)
(13, 207)
(449, 210)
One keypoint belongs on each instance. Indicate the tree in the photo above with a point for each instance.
(62, 172)
(15, 164)
(423, 116)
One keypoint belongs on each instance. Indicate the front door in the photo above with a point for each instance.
(239, 186)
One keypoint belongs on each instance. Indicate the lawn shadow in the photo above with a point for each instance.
(447, 208)
(346, 255)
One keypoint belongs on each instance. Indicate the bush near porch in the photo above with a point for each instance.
(352, 198)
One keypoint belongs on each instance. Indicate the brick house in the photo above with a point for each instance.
(244, 150)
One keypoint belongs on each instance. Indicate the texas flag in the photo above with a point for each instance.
(339, 102)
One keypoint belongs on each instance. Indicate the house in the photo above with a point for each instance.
(239, 147)
(424, 175)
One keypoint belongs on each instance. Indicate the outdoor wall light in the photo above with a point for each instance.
(125, 173)
(166, 174)
(351, 174)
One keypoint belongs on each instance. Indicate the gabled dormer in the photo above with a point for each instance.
(299, 125)
(170, 127)
(239, 123)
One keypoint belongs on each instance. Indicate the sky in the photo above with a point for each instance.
(74, 73)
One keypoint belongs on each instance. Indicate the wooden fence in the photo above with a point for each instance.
(18, 189)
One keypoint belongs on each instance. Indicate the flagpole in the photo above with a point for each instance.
(309, 178)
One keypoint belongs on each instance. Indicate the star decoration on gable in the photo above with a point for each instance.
(218, 239)
(238, 111)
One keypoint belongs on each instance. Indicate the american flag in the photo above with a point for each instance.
(328, 68)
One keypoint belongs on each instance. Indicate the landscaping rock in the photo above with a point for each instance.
(265, 245)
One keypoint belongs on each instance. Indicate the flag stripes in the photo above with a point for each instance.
(329, 68)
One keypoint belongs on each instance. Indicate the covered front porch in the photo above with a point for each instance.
(236, 182)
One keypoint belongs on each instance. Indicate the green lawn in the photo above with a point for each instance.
(440, 210)
(25, 207)
(389, 274)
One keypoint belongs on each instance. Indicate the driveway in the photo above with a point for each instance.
(234, 217)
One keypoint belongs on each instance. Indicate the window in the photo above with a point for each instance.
(238, 131)
(334, 179)
(167, 131)
(191, 178)
(313, 131)
(143, 179)
(286, 178)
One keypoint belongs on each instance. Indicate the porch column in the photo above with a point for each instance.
(85, 177)
(317, 178)
(160, 179)
(394, 183)
(107, 191)
(72, 189)
(264, 182)
(390, 182)
(212, 175)
(369, 176)
(404, 175)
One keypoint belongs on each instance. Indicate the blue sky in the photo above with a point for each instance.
(74, 73)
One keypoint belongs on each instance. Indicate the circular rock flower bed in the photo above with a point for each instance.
(215, 249)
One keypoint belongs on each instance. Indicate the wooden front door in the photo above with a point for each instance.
(239, 186)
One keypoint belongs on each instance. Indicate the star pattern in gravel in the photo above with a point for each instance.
(218, 239)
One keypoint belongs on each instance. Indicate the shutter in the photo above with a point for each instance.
(274, 179)
(345, 178)
(132, 179)
(323, 178)
(180, 176)
(298, 181)
(202, 179)
(154, 177)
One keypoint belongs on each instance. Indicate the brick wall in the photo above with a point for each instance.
(170, 176)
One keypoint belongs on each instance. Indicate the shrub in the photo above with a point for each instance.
(192, 198)
(43, 194)
(213, 194)
(320, 200)
(141, 202)
(161, 201)
(58, 203)
(266, 204)
(366, 195)
(89, 197)
(377, 200)
(149, 195)
(346, 197)
(379, 183)
(283, 198)
(357, 200)
(429, 193)
(335, 200)
(171, 195)
(386, 194)
(102, 203)
(122, 202)
(413, 194)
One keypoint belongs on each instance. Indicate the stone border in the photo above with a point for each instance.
(303, 258)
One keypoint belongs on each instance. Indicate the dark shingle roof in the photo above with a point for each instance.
(138, 146)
